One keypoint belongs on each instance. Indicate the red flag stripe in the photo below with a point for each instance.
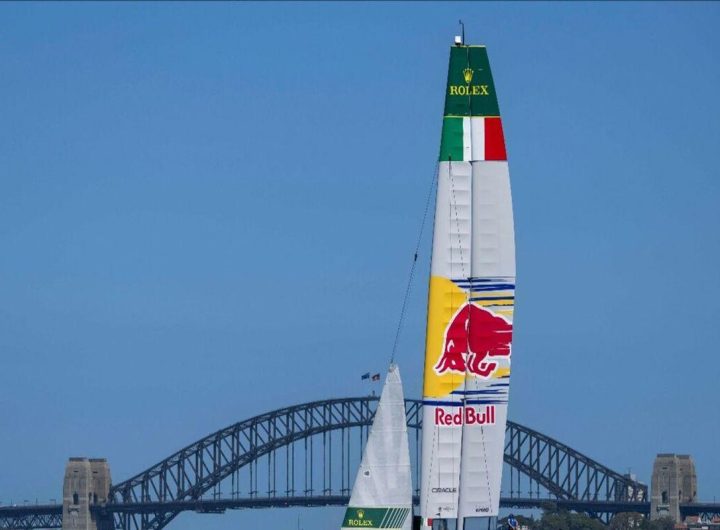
(494, 140)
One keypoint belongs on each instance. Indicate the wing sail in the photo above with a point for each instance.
(471, 299)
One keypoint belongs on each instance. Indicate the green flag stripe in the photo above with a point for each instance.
(451, 143)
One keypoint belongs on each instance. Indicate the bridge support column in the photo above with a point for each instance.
(87, 483)
(673, 482)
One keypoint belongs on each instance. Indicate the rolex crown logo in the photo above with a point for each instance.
(468, 74)
(361, 514)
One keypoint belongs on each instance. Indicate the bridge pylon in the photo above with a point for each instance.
(674, 482)
(86, 484)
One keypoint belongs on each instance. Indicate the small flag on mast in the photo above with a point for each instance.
(366, 375)
(376, 377)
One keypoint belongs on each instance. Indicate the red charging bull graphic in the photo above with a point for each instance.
(474, 338)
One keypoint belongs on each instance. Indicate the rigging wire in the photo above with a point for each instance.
(408, 288)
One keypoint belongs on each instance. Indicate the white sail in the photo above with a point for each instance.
(471, 301)
(382, 493)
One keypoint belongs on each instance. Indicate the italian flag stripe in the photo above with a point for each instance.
(470, 139)
(451, 143)
(494, 140)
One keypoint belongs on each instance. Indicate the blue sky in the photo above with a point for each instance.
(209, 211)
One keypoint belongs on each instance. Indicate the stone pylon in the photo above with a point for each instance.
(674, 482)
(86, 484)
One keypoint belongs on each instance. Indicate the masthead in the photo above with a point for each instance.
(460, 39)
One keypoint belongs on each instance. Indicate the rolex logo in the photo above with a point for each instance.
(360, 514)
(468, 74)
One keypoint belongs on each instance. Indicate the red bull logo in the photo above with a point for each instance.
(465, 416)
(474, 339)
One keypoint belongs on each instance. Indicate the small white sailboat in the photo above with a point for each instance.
(382, 493)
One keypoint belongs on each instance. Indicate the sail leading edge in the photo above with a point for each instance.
(471, 299)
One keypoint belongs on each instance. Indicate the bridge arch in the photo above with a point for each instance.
(297, 444)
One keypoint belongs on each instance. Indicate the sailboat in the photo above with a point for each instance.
(382, 494)
(470, 307)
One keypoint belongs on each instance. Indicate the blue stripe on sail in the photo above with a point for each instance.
(486, 401)
(498, 279)
(443, 403)
(492, 298)
(486, 287)
(494, 287)
(484, 280)
(491, 391)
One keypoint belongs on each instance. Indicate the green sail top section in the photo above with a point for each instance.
(470, 87)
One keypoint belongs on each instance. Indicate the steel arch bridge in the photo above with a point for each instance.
(306, 455)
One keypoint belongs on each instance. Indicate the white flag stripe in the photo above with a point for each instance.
(478, 138)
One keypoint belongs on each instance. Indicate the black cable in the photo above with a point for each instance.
(414, 263)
